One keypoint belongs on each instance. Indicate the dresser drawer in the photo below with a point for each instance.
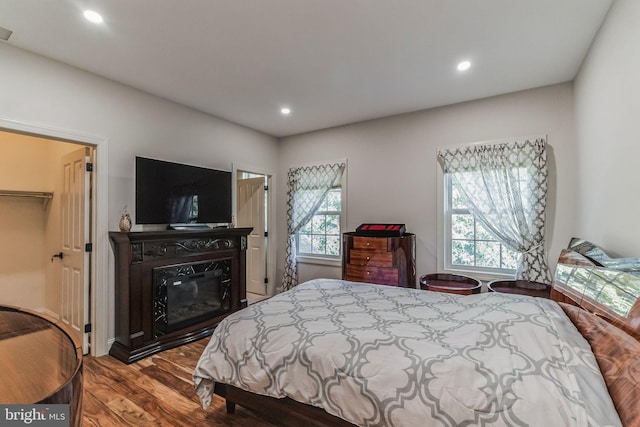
(370, 258)
(374, 243)
(379, 275)
(383, 260)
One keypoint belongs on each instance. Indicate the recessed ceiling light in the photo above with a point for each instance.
(93, 16)
(464, 66)
(285, 111)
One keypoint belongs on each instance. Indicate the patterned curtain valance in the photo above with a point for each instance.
(505, 185)
(472, 158)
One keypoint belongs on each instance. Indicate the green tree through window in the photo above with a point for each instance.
(471, 245)
(321, 235)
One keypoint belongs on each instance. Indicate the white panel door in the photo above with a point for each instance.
(251, 213)
(75, 230)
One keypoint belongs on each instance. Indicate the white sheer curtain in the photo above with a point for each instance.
(307, 188)
(505, 185)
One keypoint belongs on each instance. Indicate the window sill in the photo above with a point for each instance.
(331, 262)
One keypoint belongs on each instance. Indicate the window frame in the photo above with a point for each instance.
(448, 239)
(329, 260)
(341, 228)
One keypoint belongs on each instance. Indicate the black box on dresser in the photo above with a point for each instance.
(173, 287)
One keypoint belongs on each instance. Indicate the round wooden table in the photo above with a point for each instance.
(450, 283)
(41, 362)
(520, 287)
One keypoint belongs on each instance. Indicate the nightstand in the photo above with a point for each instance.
(450, 283)
(520, 287)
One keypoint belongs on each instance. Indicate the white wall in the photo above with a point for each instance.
(392, 166)
(37, 90)
(607, 115)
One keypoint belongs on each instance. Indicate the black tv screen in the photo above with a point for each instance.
(173, 193)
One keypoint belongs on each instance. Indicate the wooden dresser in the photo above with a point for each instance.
(381, 260)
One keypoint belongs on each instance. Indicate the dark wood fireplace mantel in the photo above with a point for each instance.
(137, 254)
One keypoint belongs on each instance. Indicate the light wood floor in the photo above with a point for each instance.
(156, 391)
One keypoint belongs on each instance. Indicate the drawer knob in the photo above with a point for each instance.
(368, 243)
(368, 273)
(368, 258)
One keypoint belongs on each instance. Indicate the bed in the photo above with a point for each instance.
(332, 352)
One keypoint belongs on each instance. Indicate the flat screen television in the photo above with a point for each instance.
(173, 193)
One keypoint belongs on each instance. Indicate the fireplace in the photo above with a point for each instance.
(173, 287)
(187, 294)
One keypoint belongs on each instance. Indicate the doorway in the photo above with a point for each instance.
(42, 273)
(252, 208)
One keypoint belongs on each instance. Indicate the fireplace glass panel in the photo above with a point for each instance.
(186, 294)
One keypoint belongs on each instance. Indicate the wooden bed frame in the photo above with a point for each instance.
(560, 292)
(282, 412)
(290, 413)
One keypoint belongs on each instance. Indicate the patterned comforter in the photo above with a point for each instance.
(384, 356)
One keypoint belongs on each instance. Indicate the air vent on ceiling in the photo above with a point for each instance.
(5, 34)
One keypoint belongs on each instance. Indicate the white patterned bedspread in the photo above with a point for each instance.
(384, 356)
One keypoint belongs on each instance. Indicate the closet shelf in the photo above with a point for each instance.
(44, 195)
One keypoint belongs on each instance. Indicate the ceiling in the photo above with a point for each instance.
(331, 61)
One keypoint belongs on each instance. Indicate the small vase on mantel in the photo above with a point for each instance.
(125, 222)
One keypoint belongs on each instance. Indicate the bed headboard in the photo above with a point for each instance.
(589, 292)
(609, 293)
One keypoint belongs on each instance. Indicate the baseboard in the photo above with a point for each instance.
(48, 312)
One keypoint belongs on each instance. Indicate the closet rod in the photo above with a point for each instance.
(37, 194)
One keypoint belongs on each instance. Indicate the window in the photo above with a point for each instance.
(193, 210)
(504, 183)
(469, 245)
(321, 235)
(314, 202)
